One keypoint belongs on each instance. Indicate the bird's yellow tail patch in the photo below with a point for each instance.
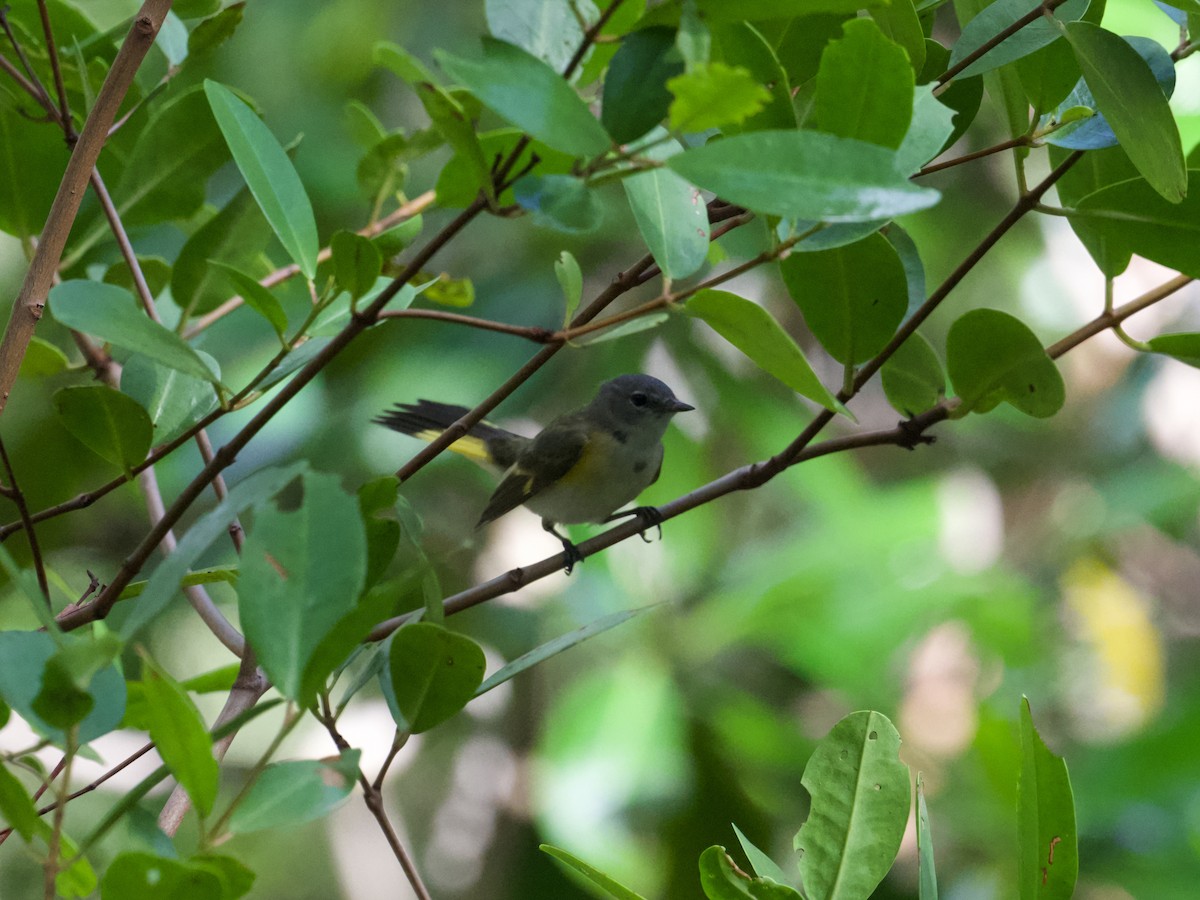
(472, 448)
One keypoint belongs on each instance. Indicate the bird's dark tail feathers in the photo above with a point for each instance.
(426, 419)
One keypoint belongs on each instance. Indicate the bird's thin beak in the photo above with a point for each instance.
(678, 406)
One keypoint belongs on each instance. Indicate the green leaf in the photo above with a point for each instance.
(720, 880)
(672, 218)
(762, 864)
(31, 167)
(742, 45)
(561, 202)
(609, 885)
(235, 236)
(865, 86)
(259, 298)
(301, 572)
(804, 175)
(129, 618)
(106, 422)
(525, 91)
(635, 88)
(752, 330)
(269, 174)
(547, 29)
(174, 401)
(926, 873)
(852, 297)
(633, 326)
(913, 380)
(175, 154)
(932, 126)
(215, 30)
(1135, 107)
(570, 279)
(434, 673)
(454, 124)
(860, 800)
(993, 357)
(42, 359)
(998, 16)
(395, 239)
(1049, 852)
(111, 314)
(713, 95)
(78, 879)
(291, 793)
(1184, 346)
(459, 184)
(16, 805)
(899, 21)
(356, 263)
(443, 290)
(180, 736)
(558, 645)
(383, 534)
(135, 875)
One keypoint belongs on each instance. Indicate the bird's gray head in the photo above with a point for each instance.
(639, 403)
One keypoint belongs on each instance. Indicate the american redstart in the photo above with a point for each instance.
(581, 467)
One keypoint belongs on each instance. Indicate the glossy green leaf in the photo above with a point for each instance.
(865, 86)
(269, 174)
(135, 875)
(1048, 75)
(752, 330)
(291, 793)
(762, 864)
(913, 380)
(860, 801)
(610, 886)
(635, 87)
(173, 400)
(112, 314)
(1134, 105)
(671, 216)
(525, 91)
(259, 298)
(561, 202)
(175, 154)
(558, 645)
(1132, 217)
(995, 18)
(356, 263)
(570, 279)
(1048, 843)
(1184, 346)
(804, 175)
(129, 618)
(235, 236)
(301, 572)
(180, 736)
(16, 806)
(714, 95)
(852, 297)
(720, 880)
(931, 127)
(434, 673)
(926, 872)
(898, 20)
(547, 29)
(743, 45)
(993, 357)
(106, 422)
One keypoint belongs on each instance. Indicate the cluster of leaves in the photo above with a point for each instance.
(803, 116)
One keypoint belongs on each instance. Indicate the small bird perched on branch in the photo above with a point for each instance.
(582, 467)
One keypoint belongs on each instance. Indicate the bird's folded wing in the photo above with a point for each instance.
(548, 457)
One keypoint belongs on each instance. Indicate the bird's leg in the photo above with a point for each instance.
(649, 515)
(571, 551)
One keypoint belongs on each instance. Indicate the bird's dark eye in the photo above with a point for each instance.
(637, 398)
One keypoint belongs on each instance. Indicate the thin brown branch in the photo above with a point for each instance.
(64, 108)
(529, 332)
(15, 494)
(1019, 141)
(31, 301)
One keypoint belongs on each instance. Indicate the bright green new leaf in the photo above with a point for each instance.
(804, 175)
(752, 330)
(434, 673)
(527, 92)
(635, 87)
(561, 202)
(1184, 346)
(865, 86)
(269, 174)
(134, 875)
(926, 872)
(713, 95)
(291, 793)
(41, 359)
(107, 422)
(356, 263)
(180, 735)
(721, 881)
(860, 801)
(1048, 861)
(259, 298)
(609, 885)
(993, 357)
(995, 18)
(16, 806)
(302, 571)
(112, 314)
(852, 297)
(1134, 105)
(913, 380)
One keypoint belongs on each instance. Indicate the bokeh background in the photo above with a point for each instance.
(1056, 559)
